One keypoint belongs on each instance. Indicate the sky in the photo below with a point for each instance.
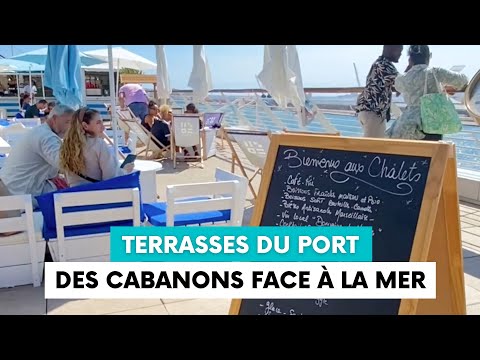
(235, 66)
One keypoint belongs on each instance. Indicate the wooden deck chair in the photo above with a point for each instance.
(148, 139)
(186, 134)
(254, 144)
(110, 141)
(122, 116)
(22, 252)
(126, 114)
(133, 123)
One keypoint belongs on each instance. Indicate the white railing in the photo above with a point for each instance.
(242, 109)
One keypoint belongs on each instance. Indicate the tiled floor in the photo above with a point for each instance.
(29, 300)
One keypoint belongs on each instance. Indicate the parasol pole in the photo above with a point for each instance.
(113, 107)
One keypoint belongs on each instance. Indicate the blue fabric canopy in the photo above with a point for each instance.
(40, 57)
(63, 74)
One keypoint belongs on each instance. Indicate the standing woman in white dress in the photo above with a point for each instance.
(417, 78)
(84, 156)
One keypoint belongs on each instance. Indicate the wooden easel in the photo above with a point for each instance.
(286, 131)
(446, 250)
(438, 220)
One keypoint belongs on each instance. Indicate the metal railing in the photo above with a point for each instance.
(253, 111)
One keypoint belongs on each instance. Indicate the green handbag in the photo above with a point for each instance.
(438, 113)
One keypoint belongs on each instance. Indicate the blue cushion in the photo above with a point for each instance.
(46, 205)
(157, 216)
(125, 150)
(79, 230)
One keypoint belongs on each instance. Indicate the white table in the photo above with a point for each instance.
(4, 147)
(148, 178)
(209, 142)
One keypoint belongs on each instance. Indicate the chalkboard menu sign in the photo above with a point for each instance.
(320, 187)
(339, 185)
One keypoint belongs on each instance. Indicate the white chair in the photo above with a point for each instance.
(222, 175)
(198, 194)
(92, 246)
(21, 255)
(223, 196)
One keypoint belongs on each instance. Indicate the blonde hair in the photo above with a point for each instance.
(163, 110)
(71, 153)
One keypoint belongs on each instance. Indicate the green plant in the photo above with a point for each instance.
(130, 71)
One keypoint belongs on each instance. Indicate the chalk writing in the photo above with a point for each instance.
(269, 308)
(296, 161)
(321, 302)
(379, 168)
(325, 187)
(310, 196)
(341, 177)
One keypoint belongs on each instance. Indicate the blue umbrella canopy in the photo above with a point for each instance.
(40, 57)
(63, 74)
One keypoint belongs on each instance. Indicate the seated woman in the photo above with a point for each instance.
(412, 86)
(160, 122)
(84, 156)
(192, 109)
(152, 115)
